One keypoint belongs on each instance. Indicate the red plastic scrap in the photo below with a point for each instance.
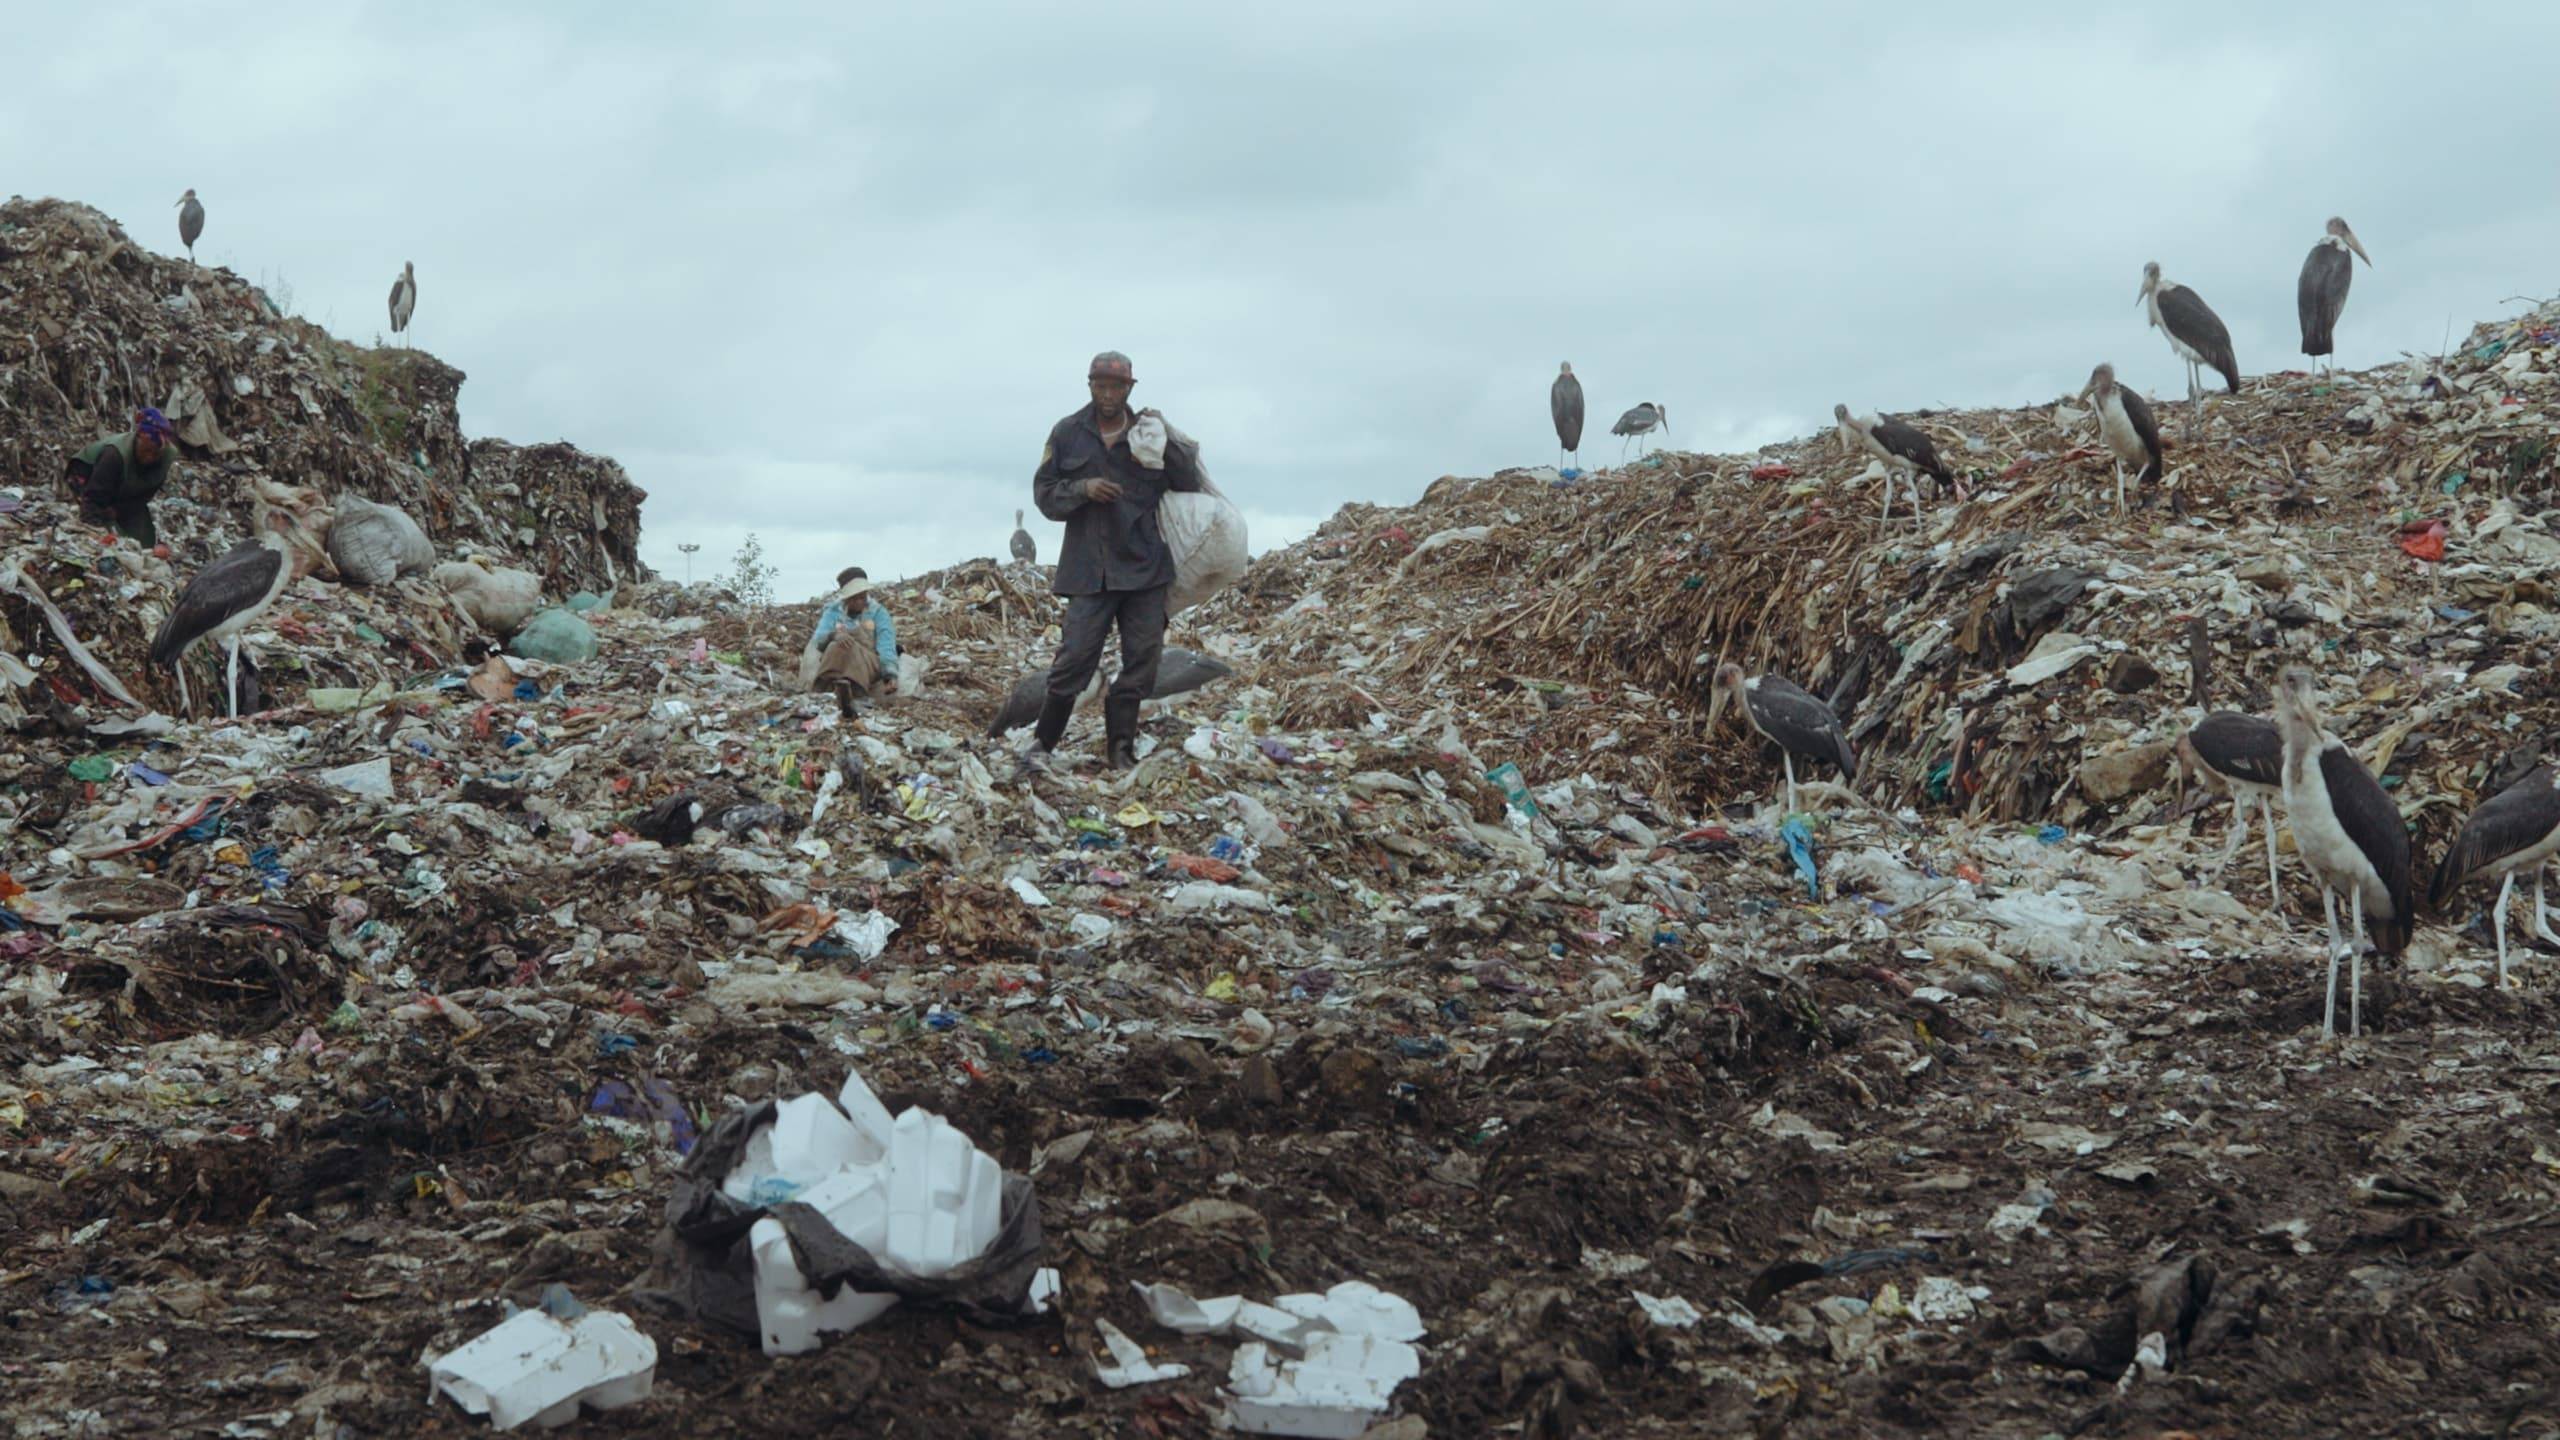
(1773, 470)
(1201, 867)
(2423, 539)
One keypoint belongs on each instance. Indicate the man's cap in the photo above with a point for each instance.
(1111, 365)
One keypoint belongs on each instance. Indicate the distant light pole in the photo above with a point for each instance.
(688, 550)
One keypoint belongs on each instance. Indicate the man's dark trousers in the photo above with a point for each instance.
(1141, 615)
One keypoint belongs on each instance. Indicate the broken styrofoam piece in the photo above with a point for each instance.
(812, 1140)
(946, 1197)
(1130, 1365)
(1175, 1309)
(854, 1200)
(1672, 1313)
(367, 779)
(1356, 1307)
(531, 1366)
(789, 1312)
(1338, 1390)
(1272, 1325)
(1045, 1287)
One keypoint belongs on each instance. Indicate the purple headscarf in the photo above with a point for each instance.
(149, 421)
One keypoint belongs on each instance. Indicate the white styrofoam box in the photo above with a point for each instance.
(791, 1315)
(1338, 1391)
(812, 1140)
(946, 1197)
(533, 1367)
(868, 1114)
(856, 1202)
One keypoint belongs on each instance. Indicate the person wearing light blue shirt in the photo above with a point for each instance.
(856, 643)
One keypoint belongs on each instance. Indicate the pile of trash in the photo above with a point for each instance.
(1433, 960)
(105, 326)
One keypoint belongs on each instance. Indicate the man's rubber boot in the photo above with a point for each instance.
(1120, 723)
(1054, 714)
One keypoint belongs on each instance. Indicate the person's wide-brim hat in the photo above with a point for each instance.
(854, 588)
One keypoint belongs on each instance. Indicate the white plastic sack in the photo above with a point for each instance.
(1205, 532)
(373, 544)
(1147, 438)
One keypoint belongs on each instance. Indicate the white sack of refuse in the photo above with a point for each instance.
(913, 1192)
(533, 1367)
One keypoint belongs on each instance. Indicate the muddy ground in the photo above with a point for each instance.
(2352, 1239)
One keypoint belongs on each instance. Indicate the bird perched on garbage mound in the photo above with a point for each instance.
(1564, 405)
(2322, 291)
(223, 599)
(2195, 333)
(1896, 445)
(2350, 837)
(190, 222)
(1642, 420)
(1783, 711)
(2516, 830)
(497, 600)
(1026, 551)
(2126, 423)
(2243, 757)
(404, 299)
(1181, 672)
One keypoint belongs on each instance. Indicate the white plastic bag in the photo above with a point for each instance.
(1205, 532)
(1147, 438)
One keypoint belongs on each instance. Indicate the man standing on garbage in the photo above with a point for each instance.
(117, 477)
(1114, 568)
(855, 644)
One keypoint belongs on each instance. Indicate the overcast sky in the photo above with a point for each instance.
(828, 273)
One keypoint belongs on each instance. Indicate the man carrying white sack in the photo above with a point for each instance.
(1102, 474)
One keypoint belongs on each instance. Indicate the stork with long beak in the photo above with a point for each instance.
(1896, 445)
(223, 599)
(1783, 711)
(2195, 332)
(2517, 830)
(2322, 291)
(190, 222)
(2243, 757)
(2126, 423)
(2350, 837)
(1564, 406)
(404, 299)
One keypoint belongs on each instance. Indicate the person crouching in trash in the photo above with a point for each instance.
(116, 477)
(854, 650)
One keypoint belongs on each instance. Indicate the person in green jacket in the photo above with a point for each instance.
(117, 477)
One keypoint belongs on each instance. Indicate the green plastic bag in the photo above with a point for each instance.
(555, 635)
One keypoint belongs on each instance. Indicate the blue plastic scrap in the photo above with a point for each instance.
(2052, 835)
(1799, 838)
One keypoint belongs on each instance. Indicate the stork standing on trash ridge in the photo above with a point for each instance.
(2322, 291)
(190, 222)
(1642, 420)
(404, 299)
(2195, 332)
(2126, 423)
(223, 599)
(2350, 837)
(1024, 549)
(1564, 402)
(1897, 446)
(1785, 712)
(2516, 830)
(2243, 757)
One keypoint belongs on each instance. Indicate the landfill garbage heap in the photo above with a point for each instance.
(99, 326)
(1436, 954)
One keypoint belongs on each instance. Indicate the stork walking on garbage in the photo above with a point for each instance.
(190, 222)
(404, 299)
(1564, 403)
(2322, 291)
(1025, 550)
(1642, 420)
(223, 599)
(2243, 757)
(1896, 445)
(2130, 430)
(1783, 711)
(2516, 830)
(2350, 838)
(2195, 332)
